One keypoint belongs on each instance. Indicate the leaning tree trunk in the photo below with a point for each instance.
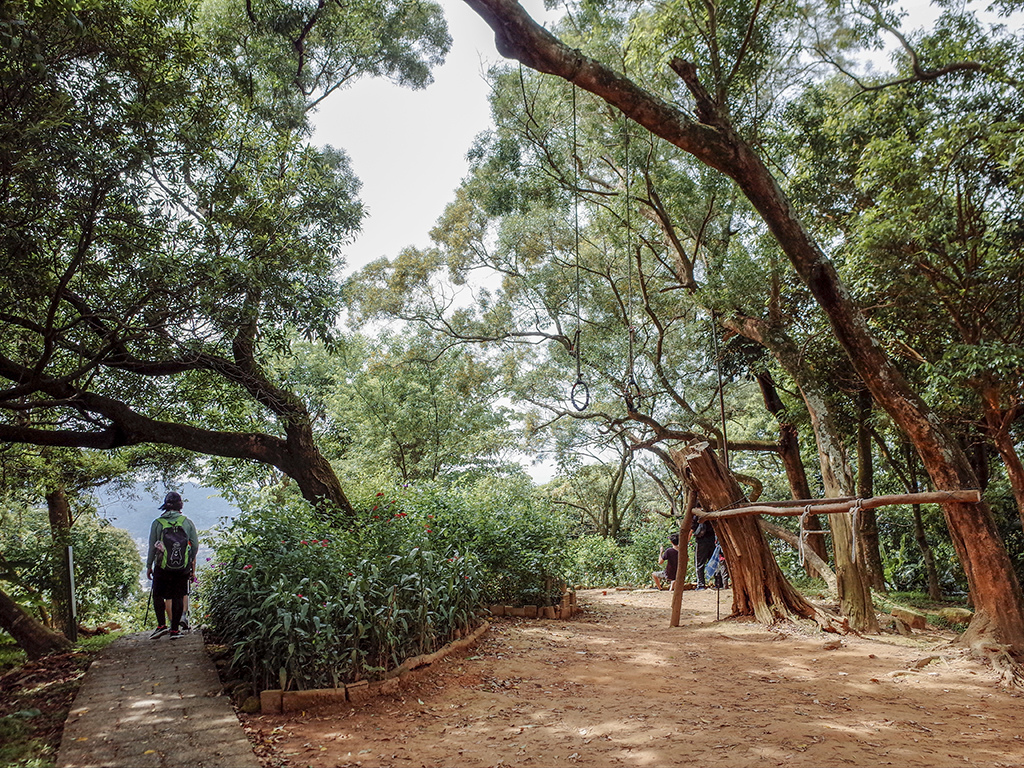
(32, 636)
(851, 576)
(710, 137)
(799, 488)
(759, 587)
(868, 521)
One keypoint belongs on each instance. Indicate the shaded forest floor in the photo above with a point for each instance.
(35, 697)
(618, 687)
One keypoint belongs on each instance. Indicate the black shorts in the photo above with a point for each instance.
(168, 585)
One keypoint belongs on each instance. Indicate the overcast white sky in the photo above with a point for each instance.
(409, 147)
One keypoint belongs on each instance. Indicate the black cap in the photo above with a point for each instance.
(172, 501)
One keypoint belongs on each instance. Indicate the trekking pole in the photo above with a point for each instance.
(145, 620)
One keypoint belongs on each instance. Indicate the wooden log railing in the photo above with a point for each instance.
(840, 505)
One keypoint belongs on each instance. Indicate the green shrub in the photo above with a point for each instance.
(595, 561)
(107, 564)
(307, 605)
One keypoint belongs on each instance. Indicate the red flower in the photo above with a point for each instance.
(380, 493)
(300, 594)
(351, 574)
(429, 531)
(303, 542)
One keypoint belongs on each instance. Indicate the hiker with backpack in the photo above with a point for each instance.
(173, 544)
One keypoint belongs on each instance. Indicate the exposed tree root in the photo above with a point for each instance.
(1009, 667)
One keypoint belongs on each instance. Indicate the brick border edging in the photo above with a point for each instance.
(564, 610)
(277, 701)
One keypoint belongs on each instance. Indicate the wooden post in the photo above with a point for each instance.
(684, 558)
(72, 602)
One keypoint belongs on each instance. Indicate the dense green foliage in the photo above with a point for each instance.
(303, 604)
(169, 225)
(596, 561)
(107, 563)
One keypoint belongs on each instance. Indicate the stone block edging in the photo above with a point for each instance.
(564, 610)
(277, 701)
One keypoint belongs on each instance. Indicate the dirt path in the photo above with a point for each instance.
(617, 687)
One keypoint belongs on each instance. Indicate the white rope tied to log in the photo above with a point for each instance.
(855, 510)
(803, 533)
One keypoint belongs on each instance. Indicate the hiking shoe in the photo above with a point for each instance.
(183, 624)
(175, 634)
(159, 632)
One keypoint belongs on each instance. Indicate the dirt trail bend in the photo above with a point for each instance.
(618, 687)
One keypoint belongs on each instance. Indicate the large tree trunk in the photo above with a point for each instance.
(854, 589)
(836, 475)
(712, 139)
(60, 532)
(759, 587)
(868, 521)
(32, 636)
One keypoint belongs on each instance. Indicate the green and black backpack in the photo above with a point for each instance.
(177, 548)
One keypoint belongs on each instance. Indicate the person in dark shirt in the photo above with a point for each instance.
(704, 534)
(670, 557)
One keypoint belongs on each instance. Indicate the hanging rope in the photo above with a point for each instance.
(855, 510)
(721, 391)
(803, 532)
(633, 393)
(580, 393)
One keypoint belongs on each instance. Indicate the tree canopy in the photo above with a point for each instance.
(168, 223)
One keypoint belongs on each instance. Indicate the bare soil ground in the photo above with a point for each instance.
(618, 687)
(35, 698)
